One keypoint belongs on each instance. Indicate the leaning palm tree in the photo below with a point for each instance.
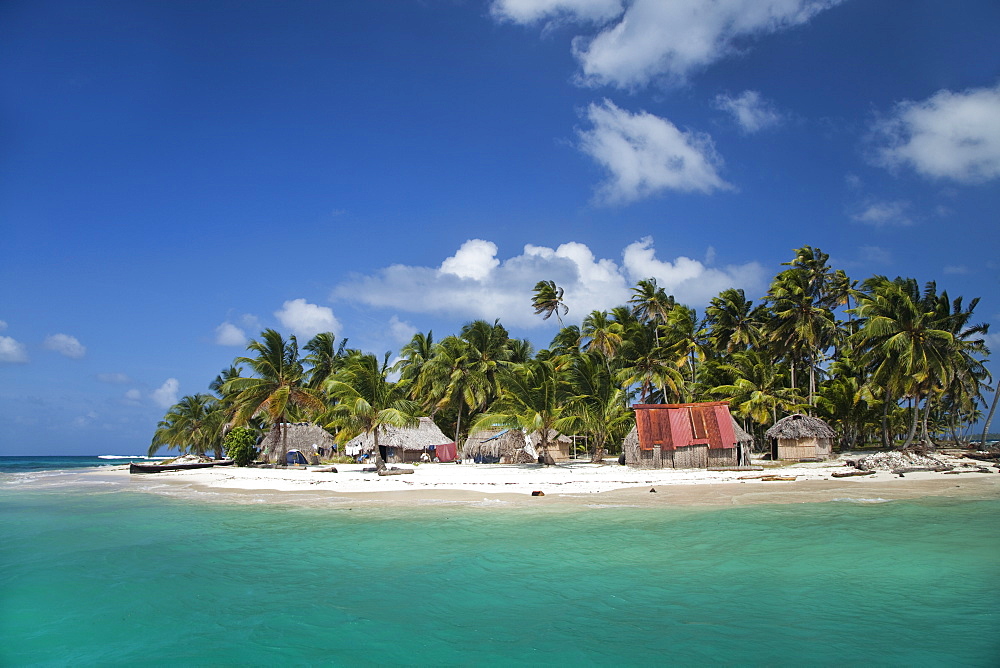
(323, 358)
(278, 391)
(548, 300)
(368, 402)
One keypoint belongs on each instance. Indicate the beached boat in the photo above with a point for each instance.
(159, 468)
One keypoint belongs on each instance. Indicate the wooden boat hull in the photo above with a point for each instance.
(159, 468)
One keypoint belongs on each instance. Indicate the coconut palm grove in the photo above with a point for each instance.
(887, 362)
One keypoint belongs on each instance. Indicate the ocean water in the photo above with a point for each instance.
(91, 574)
(63, 463)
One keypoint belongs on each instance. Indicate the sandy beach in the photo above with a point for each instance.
(575, 483)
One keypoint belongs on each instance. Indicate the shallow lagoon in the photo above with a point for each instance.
(101, 576)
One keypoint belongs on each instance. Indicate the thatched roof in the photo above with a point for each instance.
(301, 436)
(799, 426)
(535, 438)
(494, 443)
(424, 435)
(741, 435)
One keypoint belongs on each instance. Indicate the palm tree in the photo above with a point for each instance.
(531, 398)
(650, 303)
(733, 323)
(192, 425)
(412, 358)
(757, 388)
(801, 325)
(900, 344)
(323, 358)
(548, 299)
(598, 406)
(279, 390)
(367, 401)
(604, 334)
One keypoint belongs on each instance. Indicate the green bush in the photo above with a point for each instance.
(239, 444)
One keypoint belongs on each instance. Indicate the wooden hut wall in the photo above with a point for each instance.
(804, 448)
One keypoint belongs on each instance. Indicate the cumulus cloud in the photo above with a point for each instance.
(655, 39)
(228, 334)
(114, 378)
(475, 259)
(64, 344)
(165, 395)
(306, 320)
(645, 154)
(884, 214)
(504, 292)
(531, 11)
(133, 397)
(12, 351)
(954, 136)
(751, 111)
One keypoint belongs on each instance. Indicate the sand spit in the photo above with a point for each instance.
(573, 483)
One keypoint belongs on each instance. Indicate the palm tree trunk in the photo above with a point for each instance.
(885, 420)
(989, 419)
(376, 453)
(914, 411)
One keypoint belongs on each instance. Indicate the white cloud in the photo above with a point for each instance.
(401, 331)
(956, 269)
(228, 334)
(685, 277)
(950, 135)
(165, 395)
(884, 214)
(672, 39)
(114, 378)
(646, 154)
(474, 259)
(64, 344)
(750, 110)
(3, 325)
(306, 320)
(590, 283)
(134, 397)
(530, 11)
(12, 351)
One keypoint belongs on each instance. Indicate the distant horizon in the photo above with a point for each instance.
(178, 176)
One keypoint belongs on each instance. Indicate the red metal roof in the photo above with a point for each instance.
(670, 426)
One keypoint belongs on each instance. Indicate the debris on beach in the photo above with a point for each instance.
(538, 493)
(900, 462)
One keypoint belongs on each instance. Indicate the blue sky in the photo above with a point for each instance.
(176, 176)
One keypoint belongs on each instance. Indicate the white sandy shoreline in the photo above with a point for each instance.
(571, 483)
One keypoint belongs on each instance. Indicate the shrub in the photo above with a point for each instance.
(240, 446)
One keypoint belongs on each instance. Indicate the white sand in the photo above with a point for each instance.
(575, 481)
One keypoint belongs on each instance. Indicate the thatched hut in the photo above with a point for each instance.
(307, 438)
(697, 435)
(800, 437)
(403, 444)
(501, 445)
(558, 449)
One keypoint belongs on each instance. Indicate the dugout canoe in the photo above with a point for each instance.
(159, 468)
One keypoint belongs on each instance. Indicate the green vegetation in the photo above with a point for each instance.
(240, 444)
(885, 362)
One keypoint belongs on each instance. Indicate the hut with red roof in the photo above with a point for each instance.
(685, 436)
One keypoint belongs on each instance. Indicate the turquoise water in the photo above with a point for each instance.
(98, 576)
(67, 462)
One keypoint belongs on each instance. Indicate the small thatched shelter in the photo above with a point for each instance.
(695, 435)
(558, 449)
(503, 446)
(400, 445)
(308, 438)
(799, 437)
